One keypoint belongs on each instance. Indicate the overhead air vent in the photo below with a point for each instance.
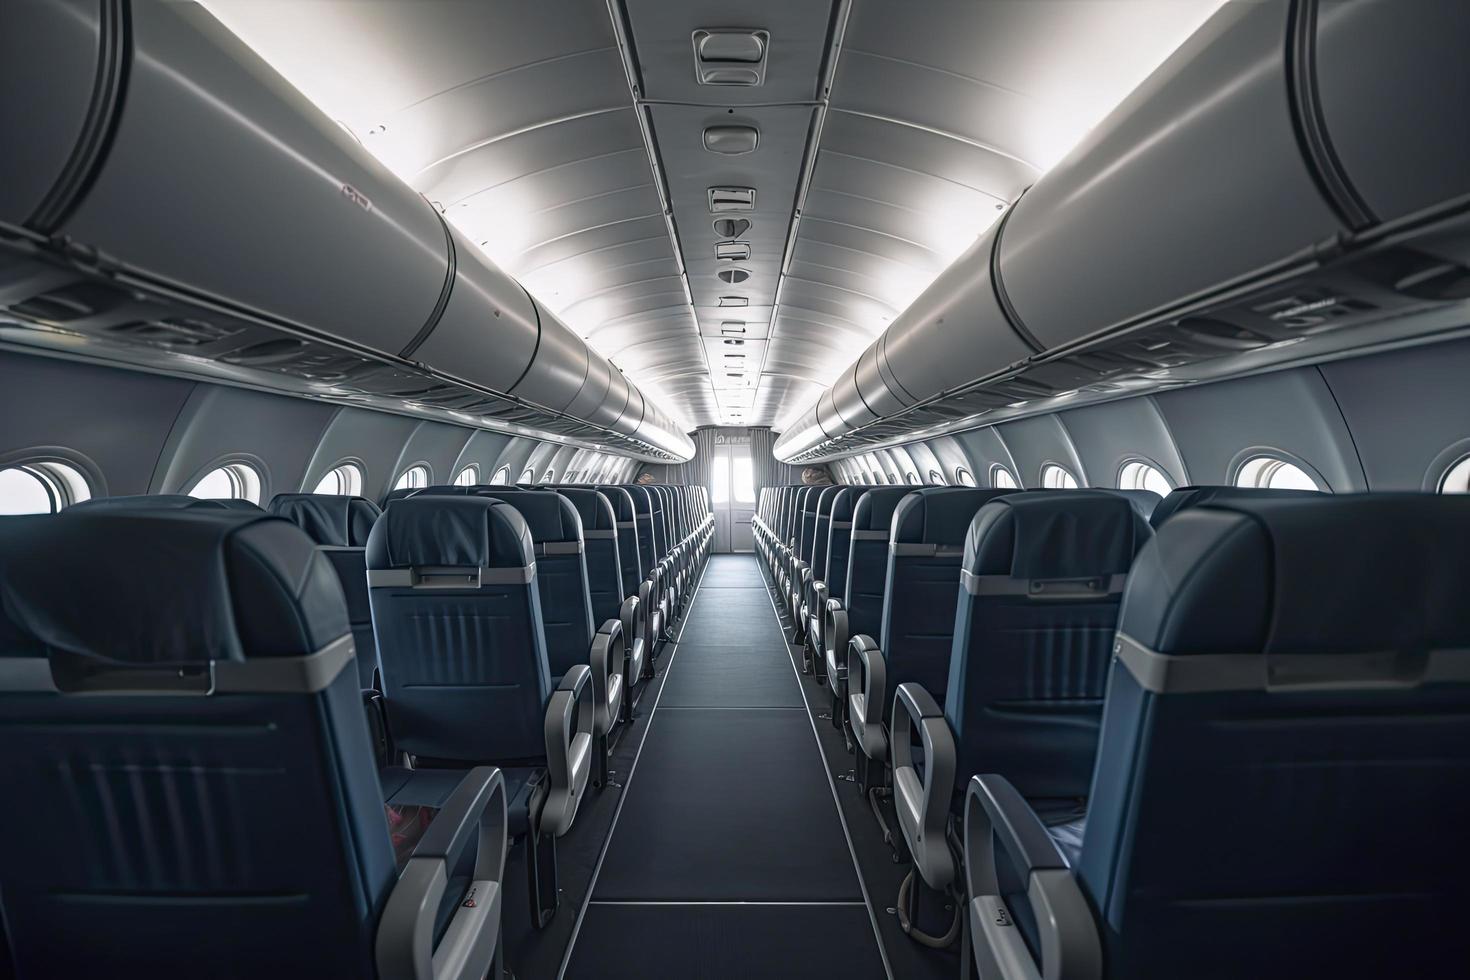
(731, 199)
(735, 251)
(730, 56)
(734, 277)
(732, 328)
(734, 301)
(731, 140)
(731, 227)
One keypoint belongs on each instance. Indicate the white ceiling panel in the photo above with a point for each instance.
(567, 139)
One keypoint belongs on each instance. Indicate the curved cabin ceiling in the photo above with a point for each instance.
(577, 143)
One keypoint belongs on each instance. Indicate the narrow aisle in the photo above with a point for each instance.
(728, 858)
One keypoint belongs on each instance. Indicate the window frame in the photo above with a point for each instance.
(64, 481)
(963, 477)
(473, 469)
(501, 477)
(937, 479)
(246, 478)
(354, 484)
(1144, 466)
(1267, 462)
(1065, 479)
(1011, 482)
(404, 480)
(1459, 468)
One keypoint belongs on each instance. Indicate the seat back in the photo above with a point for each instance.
(806, 531)
(1043, 576)
(660, 519)
(1184, 498)
(867, 561)
(561, 573)
(839, 539)
(452, 580)
(630, 563)
(1143, 501)
(648, 550)
(185, 761)
(600, 552)
(1286, 744)
(340, 526)
(925, 544)
(820, 532)
(149, 501)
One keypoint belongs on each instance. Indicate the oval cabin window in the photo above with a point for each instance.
(233, 481)
(1138, 475)
(343, 481)
(40, 488)
(1274, 473)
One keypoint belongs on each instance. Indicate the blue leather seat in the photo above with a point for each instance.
(1282, 769)
(926, 543)
(149, 501)
(810, 607)
(188, 771)
(867, 562)
(466, 679)
(1184, 498)
(832, 598)
(566, 600)
(1043, 579)
(1143, 501)
(630, 563)
(340, 526)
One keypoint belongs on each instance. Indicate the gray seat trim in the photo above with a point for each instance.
(919, 549)
(305, 674)
(596, 534)
(432, 577)
(869, 535)
(1094, 587)
(559, 547)
(1164, 673)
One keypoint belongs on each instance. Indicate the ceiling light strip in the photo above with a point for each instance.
(623, 33)
(841, 12)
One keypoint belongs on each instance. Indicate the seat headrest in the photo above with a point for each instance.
(336, 521)
(845, 502)
(593, 507)
(398, 494)
(549, 516)
(1183, 498)
(158, 587)
(1055, 534)
(149, 501)
(450, 532)
(874, 510)
(445, 489)
(939, 515)
(1144, 501)
(621, 500)
(1314, 574)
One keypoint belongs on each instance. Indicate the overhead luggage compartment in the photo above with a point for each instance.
(223, 177)
(1292, 184)
(1195, 180)
(1403, 145)
(179, 206)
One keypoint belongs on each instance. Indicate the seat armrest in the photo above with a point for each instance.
(996, 816)
(570, 716)
(633, 626)
(376, 710)
(867, 686)
(834, 642)
(922, 804)
(606, 658)
(404, 946)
